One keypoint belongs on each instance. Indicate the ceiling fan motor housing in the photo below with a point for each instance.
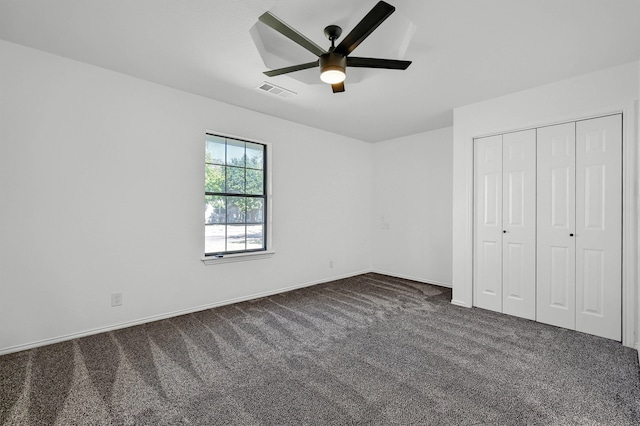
(333, 62)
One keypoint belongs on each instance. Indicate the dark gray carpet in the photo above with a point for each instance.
(366, 350)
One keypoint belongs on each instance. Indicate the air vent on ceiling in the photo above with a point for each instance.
(276, 90)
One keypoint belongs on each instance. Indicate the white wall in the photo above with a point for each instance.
(412, 207)
(101, 180)
(611, 90)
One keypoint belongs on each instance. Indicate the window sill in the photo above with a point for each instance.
(240, 257)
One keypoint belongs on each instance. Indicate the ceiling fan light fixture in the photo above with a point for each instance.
(333, 76)
(332, 68)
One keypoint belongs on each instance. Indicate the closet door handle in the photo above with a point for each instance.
(571, 235)
(504, 231)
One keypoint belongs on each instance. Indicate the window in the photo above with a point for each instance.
(235, 196)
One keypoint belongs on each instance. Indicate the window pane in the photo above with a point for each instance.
(236, 237)
(214, 209)
(235, 180)
(255, 237)
(215, 149)
(255, 155)
(255, 182)
(255, 210)
(213, 178)
(235, 153)
(214, 238)
(236, 208)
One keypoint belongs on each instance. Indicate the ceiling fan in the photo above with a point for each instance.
(333, 63)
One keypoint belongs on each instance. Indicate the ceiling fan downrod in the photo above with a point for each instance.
(332, 32)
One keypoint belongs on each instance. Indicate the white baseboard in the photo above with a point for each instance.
(409, 277)
(44, 342)
(458, 303)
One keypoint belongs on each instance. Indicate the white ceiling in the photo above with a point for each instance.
(463, 51)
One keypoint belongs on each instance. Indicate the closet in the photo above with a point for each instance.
(548, 224)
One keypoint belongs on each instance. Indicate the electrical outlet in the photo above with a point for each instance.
(116, 299)
(331, 264)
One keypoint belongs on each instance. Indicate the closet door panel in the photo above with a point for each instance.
(598, 226)
(519, 219)
(555, 298)
(487, 269)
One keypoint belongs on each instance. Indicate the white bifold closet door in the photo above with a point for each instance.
(505, 216)
(579, 239)
(487, 271)
(556, 225)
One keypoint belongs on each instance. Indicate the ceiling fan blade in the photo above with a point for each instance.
(286, 70)
(338, 87)
(370, 22)
(280, 26)
(392, 64)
